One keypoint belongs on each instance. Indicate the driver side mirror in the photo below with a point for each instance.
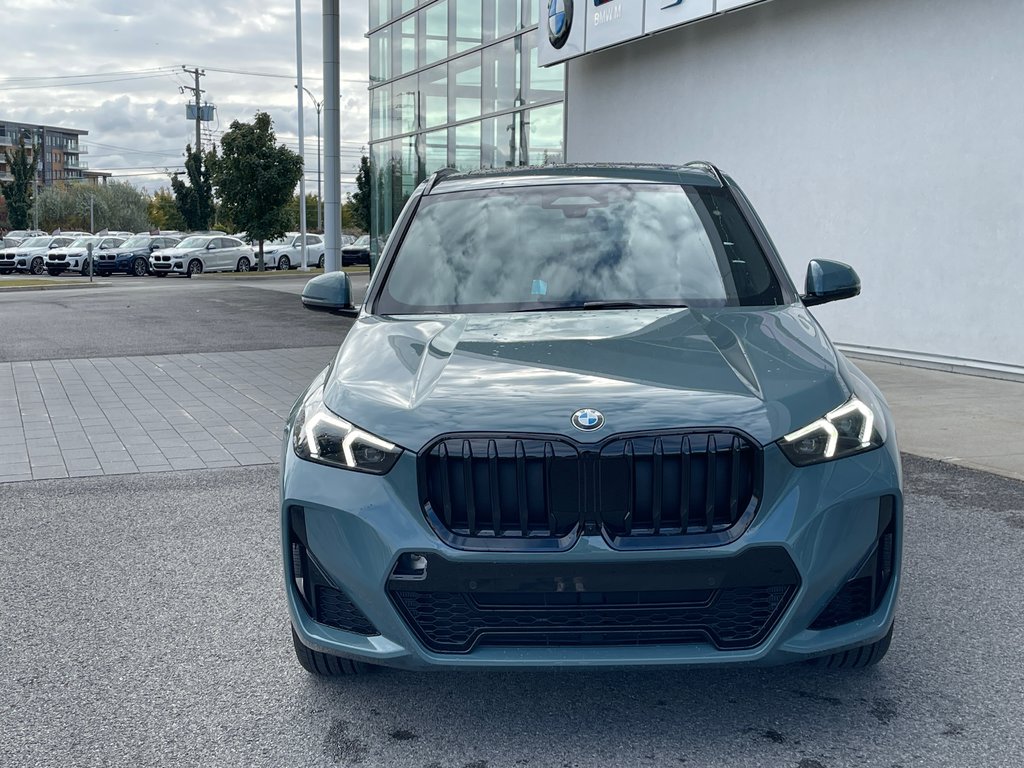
(211, 246)
(331, 292)
(829, 281)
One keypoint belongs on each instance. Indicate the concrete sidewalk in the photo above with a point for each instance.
(968, 420)
(73, 418)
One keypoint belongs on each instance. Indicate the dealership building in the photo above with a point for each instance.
(888, 135)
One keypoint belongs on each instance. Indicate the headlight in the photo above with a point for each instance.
(322, 437)
(848, 430)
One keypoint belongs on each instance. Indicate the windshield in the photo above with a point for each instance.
(36, 242)
(136, 242)
(193, 242)
(568, 246)
(286, 240)
(362, 241)
(82, 242)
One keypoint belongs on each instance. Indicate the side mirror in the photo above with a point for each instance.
(829, 281)
(154, 247)
(330, 293)
(211, 246)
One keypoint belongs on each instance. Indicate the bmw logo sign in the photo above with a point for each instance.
(559, 22)
(588, 419)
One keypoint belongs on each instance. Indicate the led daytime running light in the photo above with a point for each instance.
(827, 425)
(352, 436)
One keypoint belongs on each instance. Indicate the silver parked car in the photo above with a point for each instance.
(286, 252)
(202, 253)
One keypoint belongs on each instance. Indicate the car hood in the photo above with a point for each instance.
(766, 372)
(131, 251)
(175, 251)
(68, 251)
(32, 251)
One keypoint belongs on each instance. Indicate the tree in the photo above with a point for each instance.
(360, 200)
(195, 200)
(115, 205)
(350, 218)
(19, 191)
(293, 211)
(163, 211)
(255, 178)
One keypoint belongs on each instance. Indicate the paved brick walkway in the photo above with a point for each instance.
(111, 416)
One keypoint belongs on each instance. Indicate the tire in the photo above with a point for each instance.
(85, 269)
(140, 268)
(195, 267)
(243, 265)
(284, 263)
(325, 665)
(36, 266)
(857, 658)
(320, 263)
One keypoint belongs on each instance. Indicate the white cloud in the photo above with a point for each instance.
(138, 123)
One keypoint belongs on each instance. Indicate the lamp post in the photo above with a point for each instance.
(319, 200)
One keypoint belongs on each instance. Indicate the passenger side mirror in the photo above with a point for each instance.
(330, 293)
(829, 281)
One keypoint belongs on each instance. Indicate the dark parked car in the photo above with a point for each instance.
(358, 252)
(132, 257)
(584, 418)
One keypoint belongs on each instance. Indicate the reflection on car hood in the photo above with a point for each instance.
(766, 372)
(176, 251)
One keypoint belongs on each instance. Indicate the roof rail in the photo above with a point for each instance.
(438, 176)
(710, 168)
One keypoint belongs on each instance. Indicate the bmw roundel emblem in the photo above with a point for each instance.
(588, 419)
(559, 22)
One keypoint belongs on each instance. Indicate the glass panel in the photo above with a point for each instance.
(500, 76)
(464, 85)
(379, 12)
(381, 216)
(545, 135)
(403, 46)
(380, 112)
(500, 18)
(434, 28)
(380, 56)
(467, 147)
(498, 139)
(398, 7)
(434, 96)
(529, 12)
(436, 150)
(411, 168)
(540, 83)
(403, 105)
(468, 32)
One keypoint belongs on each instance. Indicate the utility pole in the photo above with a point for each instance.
(302, 134)
(319, 199)
(196, 92)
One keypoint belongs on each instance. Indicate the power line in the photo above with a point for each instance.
(277, 75)
(25, 78)
(87, 82)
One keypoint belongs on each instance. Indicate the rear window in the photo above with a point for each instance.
(565, 245)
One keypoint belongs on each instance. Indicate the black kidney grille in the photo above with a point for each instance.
(732, 618)
(676, 485)
(504, 486)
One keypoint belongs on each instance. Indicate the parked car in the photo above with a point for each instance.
(17, 236)
(202, 253)
(75, 257)
(30, 255)
(286, 252)
(630, 445)
(358, 252)
(132, 257)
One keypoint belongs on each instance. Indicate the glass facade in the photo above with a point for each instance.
(456, 83)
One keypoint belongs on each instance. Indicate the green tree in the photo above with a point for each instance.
(293, 212)
(350, 218)
(255, 178)
(19, 191)
(195, 199)
(360, 199)
(163, 211)
(115, 205)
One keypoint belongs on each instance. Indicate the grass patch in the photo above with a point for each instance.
(31, 282)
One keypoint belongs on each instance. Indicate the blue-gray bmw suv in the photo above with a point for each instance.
(583, 417)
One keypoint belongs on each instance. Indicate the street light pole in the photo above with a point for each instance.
(319, 199)
(302, 136)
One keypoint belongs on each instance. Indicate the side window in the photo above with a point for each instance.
(313, 240)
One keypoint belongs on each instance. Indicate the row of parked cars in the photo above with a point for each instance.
(164, 253)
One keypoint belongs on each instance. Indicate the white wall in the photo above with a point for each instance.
(885, 133)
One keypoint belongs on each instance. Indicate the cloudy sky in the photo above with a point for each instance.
(113, 68)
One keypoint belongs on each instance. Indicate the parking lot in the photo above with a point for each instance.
(146, 625)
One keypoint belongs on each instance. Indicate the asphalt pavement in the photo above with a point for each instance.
(144, 624)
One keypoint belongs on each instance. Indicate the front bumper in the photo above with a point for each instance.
(815, 530)
(177, 266)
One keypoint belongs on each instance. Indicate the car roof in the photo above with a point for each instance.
(694, 174)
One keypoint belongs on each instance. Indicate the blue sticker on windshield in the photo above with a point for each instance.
(540, 288)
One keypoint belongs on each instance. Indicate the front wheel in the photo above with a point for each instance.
(325, 665)
(195, 267)
(140, 267)
(320, 263)
(36, 266)
(284, 263)
(243, 265)
(85, 269)
(857, 658)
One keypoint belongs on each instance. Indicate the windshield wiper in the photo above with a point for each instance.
(596, 305)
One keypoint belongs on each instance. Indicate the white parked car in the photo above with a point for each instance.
(286, 252)
(202, 253)
(30, 255)
(75, 257)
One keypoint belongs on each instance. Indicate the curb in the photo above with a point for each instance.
(16, 288)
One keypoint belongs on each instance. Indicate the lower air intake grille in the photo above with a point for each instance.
(334, 609)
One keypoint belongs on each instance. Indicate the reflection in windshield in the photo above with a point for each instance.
(567, 245)
(193, 242)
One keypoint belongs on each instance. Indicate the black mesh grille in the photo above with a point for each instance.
(334, 609)
(853, 602)
(508, 488)
(733, 618)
